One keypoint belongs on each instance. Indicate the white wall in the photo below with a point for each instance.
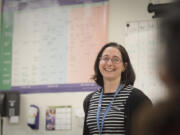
(123, 11)
(44, 100)
(120, 12)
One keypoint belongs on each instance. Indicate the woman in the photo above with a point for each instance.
(109, 110)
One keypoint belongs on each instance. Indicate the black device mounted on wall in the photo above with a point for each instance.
(9, 104)
(9, 107)
(160, 10)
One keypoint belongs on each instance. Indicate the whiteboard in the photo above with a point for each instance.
(143, 46)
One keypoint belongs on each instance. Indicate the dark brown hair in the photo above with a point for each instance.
(127, 77)
(170, 36)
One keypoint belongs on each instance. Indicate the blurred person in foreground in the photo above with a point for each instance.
(164, 117)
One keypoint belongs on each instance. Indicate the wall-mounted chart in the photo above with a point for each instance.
(54, 42)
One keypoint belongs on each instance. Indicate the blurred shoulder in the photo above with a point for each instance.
(135, 91)
(137, 95)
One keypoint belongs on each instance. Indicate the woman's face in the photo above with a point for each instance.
(111, 65)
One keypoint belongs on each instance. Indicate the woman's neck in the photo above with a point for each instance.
(111, 86)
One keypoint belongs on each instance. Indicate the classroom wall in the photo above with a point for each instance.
(120, 12)
(123, 11)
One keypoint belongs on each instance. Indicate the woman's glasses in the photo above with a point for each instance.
(114, 60)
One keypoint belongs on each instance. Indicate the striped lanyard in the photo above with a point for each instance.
(100, 128)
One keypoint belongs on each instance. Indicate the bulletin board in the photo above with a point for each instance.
(144, 48)
(51, 45)
(59, 118)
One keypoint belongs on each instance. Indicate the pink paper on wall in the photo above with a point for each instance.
(88, 32)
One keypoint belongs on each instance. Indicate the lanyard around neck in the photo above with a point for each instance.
(100, 128)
